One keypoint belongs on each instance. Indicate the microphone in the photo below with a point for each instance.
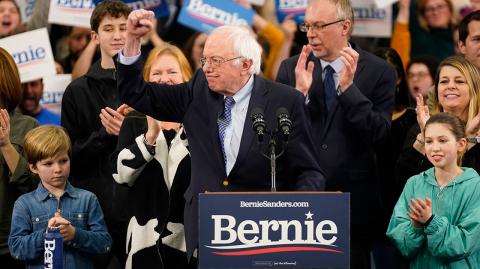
(258, 123)
(284, 123)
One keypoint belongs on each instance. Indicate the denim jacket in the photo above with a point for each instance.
(29, 223)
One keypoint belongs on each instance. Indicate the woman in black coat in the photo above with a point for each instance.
(152, 163)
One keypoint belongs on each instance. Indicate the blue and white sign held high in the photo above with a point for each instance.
(159, 7)
(206, 15)
(32, 53)
(296, 8)
(72, 13)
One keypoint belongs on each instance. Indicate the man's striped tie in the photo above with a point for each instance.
(223, 121)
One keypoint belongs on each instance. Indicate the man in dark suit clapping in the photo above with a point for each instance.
(214, 107)
(350, 96)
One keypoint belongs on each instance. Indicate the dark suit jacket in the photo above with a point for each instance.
(346, 138)
(198, 107)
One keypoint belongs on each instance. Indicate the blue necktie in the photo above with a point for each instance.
(223, 121)
(329, 87)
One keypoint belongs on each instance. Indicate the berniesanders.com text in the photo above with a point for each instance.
(273, 204)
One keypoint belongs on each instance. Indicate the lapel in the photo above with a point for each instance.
(214, 107)
(257, 99)
(333, 111)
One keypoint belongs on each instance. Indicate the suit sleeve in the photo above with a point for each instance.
(301, 151)
(283, 75)
(408, 239)
(160, 101)
(370, 117)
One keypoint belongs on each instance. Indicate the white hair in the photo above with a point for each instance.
(243, 44)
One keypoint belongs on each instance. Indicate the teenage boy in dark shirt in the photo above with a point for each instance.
(92, 115)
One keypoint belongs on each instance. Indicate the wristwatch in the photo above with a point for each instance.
(473, 140)
(150, 148)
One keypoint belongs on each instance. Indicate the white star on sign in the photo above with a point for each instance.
(309, 215)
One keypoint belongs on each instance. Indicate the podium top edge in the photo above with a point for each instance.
(278, 192)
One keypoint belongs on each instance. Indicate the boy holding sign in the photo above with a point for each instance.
(56, 203)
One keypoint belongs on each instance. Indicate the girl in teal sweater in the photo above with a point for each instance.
(436, 221)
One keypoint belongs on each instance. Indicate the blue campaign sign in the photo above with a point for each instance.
(206, 15)
(274, 230)
(296, 8)
(160, 7)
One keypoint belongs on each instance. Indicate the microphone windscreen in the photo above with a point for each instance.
(282, 110)
(257, 111)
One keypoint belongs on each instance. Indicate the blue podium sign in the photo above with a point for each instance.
(206, 15)
(274, 230)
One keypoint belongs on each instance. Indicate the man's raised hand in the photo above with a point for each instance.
(139, 23)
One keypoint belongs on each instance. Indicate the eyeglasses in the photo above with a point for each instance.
(216, 60)
(316, 27)
(430, 10)
(419, 75)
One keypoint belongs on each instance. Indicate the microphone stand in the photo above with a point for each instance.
(272, 144)
(258, 121)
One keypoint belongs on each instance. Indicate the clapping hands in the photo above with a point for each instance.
(4, 128)
(421, 211)
(112, 119)
(423, 114)
(303, 72)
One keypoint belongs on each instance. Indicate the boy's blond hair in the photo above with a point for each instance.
(45, 142)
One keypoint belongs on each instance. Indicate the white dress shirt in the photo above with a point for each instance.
(234, 131)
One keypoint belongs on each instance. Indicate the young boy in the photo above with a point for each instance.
(56, 203)
(91, 114)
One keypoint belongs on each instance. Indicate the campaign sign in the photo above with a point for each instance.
(159, 7)
(370, 20)
(296, 8)
(384, 3)
(32, 53)
(53, 89)
(257, 2)
(206, 15)
(71, 12)
(274, 230)
(26, 9)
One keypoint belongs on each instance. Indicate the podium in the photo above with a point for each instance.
(274, 230)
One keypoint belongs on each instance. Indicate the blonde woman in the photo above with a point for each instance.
(456, 89)
(153, 166)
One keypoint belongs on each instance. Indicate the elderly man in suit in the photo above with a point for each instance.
(350, 96)
(214, 107)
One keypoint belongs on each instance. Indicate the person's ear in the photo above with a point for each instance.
(346, 26)
(246, 65)
(94, 37)
(461, 47)
(33, 168)
(462, 145)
